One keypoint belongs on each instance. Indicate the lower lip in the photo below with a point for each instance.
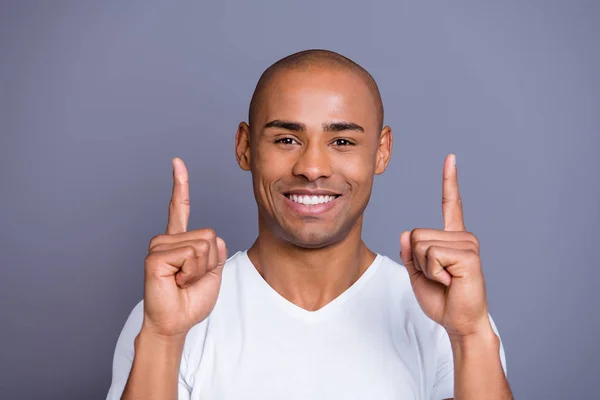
(313, 210)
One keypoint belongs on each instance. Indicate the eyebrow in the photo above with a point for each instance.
(327, 127)
(287, 125)
(342, 126)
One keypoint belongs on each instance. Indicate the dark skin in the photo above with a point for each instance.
(315, 129)
(309, 134)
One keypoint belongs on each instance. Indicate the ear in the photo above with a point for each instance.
(242, 146)
(384, 150)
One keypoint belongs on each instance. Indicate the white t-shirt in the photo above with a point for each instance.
(371, 342)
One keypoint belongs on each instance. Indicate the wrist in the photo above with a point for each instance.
(151, 330)
(478, 343)
(159, 341)
(155, 368)
(474, 331)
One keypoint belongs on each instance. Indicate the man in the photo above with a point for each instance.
(309, 311)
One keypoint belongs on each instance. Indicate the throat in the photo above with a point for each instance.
(310, 279)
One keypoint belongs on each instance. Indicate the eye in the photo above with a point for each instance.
(286, 140)
(343, 142)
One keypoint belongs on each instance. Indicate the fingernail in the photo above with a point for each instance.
(453, 158)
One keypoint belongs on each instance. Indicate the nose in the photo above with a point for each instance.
(313, 163)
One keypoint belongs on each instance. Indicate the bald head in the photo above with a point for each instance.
(313, 60)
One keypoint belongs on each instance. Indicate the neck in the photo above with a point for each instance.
(310, 278)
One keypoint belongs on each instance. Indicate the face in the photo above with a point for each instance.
(314, 148)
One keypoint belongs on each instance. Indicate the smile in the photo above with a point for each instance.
(311, 200)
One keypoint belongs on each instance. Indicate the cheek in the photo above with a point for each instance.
(270, 166)
(357, 169)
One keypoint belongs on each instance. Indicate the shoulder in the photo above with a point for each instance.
(393, 270)
(229, 280)
(233, 266)
(408, 313)
(394, 277)
(407, 319)
(195, 336)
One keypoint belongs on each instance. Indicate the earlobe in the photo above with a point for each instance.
(384, 150)
(242, 146)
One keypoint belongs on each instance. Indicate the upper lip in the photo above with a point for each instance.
(308, 192)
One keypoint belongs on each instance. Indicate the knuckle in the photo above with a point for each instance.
(474, 247)
(203, 245)
(475, 241)
(176, 202)
(189, 251)
(156, 240)
(200, 247)
(150, 261)
(473, 257)
(420, 247)
(432, 251)
(415, 234)
(157, 247)
(210, 234)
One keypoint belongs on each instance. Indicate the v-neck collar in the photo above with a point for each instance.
(299, 312)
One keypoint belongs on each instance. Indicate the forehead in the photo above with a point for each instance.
(316, 95)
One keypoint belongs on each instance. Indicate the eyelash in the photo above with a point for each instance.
(348, 142)
(277, 141)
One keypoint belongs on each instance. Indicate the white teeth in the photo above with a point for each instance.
(311, 200)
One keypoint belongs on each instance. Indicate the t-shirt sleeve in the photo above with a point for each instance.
(444, 380)
(124, 353)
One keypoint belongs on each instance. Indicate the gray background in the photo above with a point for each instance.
(97, 97)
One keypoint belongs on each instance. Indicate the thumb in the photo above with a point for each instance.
(406, 253)
(222, 252)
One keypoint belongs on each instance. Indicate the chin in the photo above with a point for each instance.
(312, 240)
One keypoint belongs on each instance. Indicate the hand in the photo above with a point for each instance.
(445, 267)
(182, 270)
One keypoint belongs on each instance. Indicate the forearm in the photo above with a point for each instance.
(478, 372)
(155, 370)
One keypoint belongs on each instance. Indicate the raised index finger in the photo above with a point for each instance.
(451, 202)
(179, 206)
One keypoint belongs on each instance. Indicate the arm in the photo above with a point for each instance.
(447, 279)
(155, 369)
(478, 368)
(137, 352)
(182, 279)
